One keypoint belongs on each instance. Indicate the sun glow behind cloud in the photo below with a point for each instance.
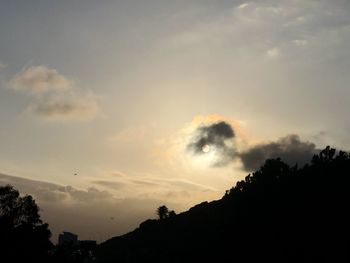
(180, 155)
(207, 159)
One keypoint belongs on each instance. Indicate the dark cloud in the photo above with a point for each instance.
(290, 149)
(218, 136)
(51, 109)
(73, 106)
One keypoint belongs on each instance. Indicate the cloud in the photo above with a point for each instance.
(149, 183)
(145, 183)
(221, 134)
(242, 6)
(66, 107)
(225, 148)
(147, 186)
(186, 184)
(90, 195)
(109, 184)
(273, 52)
(246, 26)
(42, 190)
(290, 149)
(53, 96)
(300, 42)
(50, 192)
(215, 137)
(40, 79)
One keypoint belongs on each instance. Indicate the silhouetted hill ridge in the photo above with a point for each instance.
(277, 214)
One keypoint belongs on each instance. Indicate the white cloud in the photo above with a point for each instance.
(273, 52)
(300, 42)
(242, 6)
(40, 79)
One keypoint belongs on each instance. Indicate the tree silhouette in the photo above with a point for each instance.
(23, 236)
(162, 212)
(172, 213)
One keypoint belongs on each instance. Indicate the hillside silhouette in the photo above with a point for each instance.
(277, 214)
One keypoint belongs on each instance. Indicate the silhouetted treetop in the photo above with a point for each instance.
(276, 169)
(162, 212)
(23, 236)
(17, 210)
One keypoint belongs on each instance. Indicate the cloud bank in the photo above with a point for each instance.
(61, 205)
(129, 200)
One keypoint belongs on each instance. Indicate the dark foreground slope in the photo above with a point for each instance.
(277, 214)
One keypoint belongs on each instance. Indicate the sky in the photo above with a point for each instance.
(109, 109)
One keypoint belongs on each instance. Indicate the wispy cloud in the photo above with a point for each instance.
(149, 183)
(242, 6)
(269, 26)
(109, 184)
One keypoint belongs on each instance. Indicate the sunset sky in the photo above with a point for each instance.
(101, 101)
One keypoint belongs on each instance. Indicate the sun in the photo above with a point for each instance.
(206, 148)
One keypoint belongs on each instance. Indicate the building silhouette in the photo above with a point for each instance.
(67, 238)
